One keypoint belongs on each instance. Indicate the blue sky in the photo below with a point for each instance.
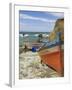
(37, 21)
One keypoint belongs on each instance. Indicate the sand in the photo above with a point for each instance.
(30, 67)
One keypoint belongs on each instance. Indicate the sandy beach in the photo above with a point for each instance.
(30, 67)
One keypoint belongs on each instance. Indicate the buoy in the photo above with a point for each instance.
(33, 49)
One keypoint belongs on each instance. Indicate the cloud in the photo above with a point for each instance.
(28, 27)
(60, 15)
(25, 16)
(44, 25)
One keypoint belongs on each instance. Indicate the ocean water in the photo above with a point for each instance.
(30, 37)
(34, 37)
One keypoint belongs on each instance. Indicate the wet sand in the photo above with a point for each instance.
(30, 67)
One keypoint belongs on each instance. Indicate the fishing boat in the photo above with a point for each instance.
(52, 53)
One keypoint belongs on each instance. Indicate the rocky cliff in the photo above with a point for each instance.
(59, 27)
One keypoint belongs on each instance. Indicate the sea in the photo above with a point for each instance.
(31, 36)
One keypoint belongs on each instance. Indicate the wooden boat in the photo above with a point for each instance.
(53, 56)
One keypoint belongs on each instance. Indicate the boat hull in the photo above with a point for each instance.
(54, 58)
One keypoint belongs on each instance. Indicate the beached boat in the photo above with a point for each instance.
(54, 58)
(53, 53)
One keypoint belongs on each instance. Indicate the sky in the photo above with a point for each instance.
(38, 21)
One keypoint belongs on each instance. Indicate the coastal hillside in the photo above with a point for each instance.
(59, 27)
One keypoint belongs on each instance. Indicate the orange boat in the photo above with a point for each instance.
(54, 55)
(54, 58)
